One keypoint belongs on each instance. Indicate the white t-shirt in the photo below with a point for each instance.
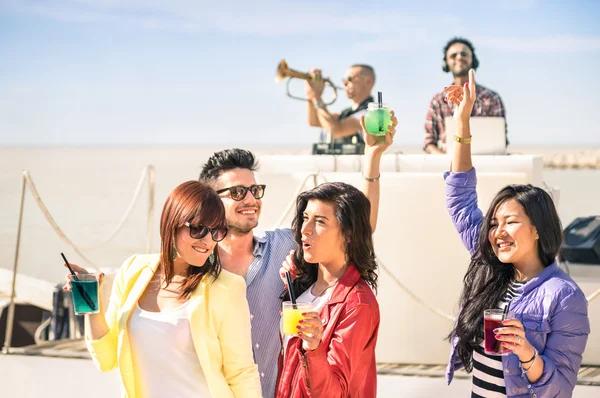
(164, 355)
(317, 301)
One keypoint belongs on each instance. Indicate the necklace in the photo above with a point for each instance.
(324, 290)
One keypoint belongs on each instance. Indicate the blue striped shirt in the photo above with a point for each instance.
(264, 286)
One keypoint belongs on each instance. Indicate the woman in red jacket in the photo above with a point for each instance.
(333, 354)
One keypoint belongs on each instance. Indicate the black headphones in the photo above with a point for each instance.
(445, 67)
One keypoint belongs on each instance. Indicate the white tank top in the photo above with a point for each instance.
(164, 355)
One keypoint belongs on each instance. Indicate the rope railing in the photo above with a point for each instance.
(36, 196)
(593, 295)
(148, 174)
(413, 295)
(292, 203)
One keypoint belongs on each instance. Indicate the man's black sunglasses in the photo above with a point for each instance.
(239, 191)
(200, 231)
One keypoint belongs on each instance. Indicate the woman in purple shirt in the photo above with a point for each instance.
(513, 249)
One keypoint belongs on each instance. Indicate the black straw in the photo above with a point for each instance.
(69, 267)
(288, 276)
(505, 312)
(82, 292)
(380, 106)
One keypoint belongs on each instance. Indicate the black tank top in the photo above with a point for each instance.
(346, 113)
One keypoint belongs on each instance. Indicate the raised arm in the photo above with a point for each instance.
(461, 201)
(314, 89)
(461, 182)
(464, 97)
(374, 149)
(319, 115)
(311, 113)
(331, 121)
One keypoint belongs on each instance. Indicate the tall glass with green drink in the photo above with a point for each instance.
(378, 117)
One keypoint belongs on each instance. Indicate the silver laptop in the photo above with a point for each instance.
(489, 135)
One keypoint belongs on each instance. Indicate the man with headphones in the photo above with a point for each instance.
(459, 57)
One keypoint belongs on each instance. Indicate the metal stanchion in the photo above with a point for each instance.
(11, 308)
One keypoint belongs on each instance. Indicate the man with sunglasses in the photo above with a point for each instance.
(459, 58)
(343, 128)
(258, 258)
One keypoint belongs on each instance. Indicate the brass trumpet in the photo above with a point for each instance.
(284, 72)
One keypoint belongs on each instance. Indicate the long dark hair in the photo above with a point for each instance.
(352, 211)
(487, 279)
(196, 203)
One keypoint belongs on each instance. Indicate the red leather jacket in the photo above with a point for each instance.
(344, 363)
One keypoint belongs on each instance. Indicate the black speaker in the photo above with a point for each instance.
(582, 241)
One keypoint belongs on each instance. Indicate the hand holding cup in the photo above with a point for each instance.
(379, 144)
(78, 271)
(310, 330)
(84, 287)
(512, 337)
(288, 265)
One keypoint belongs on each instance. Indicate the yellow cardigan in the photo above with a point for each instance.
(219, 322)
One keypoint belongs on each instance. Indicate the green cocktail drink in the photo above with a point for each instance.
(378, 119)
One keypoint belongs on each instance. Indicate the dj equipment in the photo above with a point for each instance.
(582, 241)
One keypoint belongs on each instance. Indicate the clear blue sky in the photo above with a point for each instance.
(92, 72)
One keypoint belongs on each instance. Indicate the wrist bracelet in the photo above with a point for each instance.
(524, 371)
(463, 140)
(372, 179)
(532, 358)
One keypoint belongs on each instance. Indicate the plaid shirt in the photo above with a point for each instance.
(488, 103)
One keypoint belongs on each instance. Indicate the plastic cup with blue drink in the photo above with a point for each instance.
(378, 117)
(84, 291)
(85, 294)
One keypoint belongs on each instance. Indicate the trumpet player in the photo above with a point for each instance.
(344, 127)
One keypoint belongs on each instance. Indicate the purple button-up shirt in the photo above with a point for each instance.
(552, 308)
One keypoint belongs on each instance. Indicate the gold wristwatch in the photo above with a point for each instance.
(463, 140)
